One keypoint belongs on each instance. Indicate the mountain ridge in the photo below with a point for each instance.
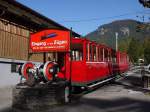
(125, 28)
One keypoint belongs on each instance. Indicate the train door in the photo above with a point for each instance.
(95, 65)
(90, 72)
(61, 60)
(77, 63)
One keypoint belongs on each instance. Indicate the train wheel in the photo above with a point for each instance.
(25, 69)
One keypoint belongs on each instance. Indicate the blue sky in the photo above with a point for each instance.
(85, 16)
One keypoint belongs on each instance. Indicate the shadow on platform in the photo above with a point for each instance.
(99, 105)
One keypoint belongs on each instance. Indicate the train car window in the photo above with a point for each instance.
(73, 55)
(109, 56)
(90, 54)
(97, 54)
(94, 53)
(87, 52)
(101, 54)
(77, 52)
(51, 56)
(114, 60)
(105, 55)
(77, 55)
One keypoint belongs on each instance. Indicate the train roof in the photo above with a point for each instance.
(90, 41)
(14, 9)
(100, 44)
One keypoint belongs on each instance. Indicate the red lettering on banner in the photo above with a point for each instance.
(50, 40)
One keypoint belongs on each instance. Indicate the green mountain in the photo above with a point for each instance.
(125, 28)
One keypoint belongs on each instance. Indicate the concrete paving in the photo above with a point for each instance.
(126, 95)
(5, 98)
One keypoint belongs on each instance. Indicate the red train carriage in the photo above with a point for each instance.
(121, 64)
(78, 61)
(91, 62)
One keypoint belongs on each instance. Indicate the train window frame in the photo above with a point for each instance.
(90, 53)
(94, 53)
(97, 54)
(87, 51)
(114, 57)
(102, 53)
(109, 56)
(105, 54)
(77, 53)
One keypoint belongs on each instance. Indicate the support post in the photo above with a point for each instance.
(44, 57)
(70, 56)
(116, 41)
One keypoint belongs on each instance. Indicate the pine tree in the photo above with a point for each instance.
(147, 50)
(135, 50)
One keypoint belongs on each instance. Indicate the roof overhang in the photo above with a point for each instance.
(18, 13)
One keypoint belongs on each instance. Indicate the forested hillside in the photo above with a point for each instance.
(133, 37)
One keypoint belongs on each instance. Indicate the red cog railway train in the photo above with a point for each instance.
(80, 63)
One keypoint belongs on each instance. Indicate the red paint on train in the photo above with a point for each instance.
(92, 62)
(81, 62)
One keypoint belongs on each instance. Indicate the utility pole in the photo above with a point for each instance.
(116, 33)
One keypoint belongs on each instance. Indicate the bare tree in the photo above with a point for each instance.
(145, 3)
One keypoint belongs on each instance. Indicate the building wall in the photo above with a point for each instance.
(6, 77)
(14, 41)
(15, 32)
